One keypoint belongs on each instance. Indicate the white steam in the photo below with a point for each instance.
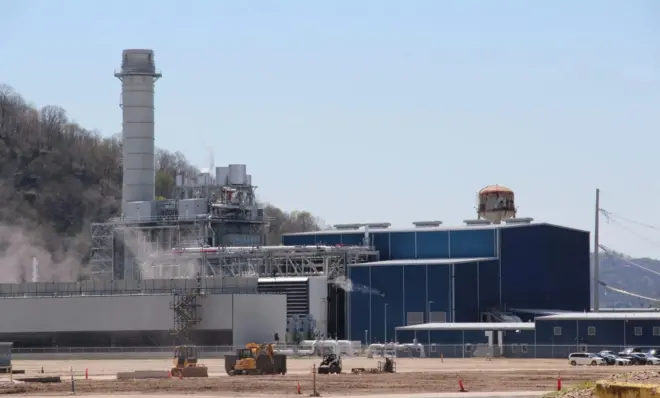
(349, 286)
(155, 261)
(21, 248)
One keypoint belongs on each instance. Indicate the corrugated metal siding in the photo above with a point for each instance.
(389, 280)
(607, 333)
(407, 288)
(489, 285)
(439, 288)
(414, 279)
(545, 333)
(545, 267)
(403, 245)
(381, 242)
(433, 244)
(359, 304)
(467, 292)
(412, 244)
(472, 243)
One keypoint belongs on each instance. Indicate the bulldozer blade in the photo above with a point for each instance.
(195, 371)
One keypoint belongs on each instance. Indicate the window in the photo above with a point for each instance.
(415, 318)
(638, 331)
(656, 330)
(591, 330)
(557, 330)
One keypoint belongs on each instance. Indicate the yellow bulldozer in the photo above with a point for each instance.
(186, 363)
(255, 359)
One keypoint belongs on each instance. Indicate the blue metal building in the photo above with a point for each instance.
(598, 330)
(457, 274)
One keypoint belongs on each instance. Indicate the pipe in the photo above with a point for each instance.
(232, 249)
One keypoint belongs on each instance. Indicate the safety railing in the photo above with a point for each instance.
(467, 350)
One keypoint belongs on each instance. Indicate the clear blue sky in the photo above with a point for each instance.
(377, 110)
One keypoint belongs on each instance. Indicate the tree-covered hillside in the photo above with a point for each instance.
(57, 177)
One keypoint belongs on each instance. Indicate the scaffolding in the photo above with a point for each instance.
(185, 307)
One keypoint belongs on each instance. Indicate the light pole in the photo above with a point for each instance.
(385, 323)
(428, 311)
(366, 337)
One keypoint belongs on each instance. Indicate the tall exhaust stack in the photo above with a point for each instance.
(138, 76)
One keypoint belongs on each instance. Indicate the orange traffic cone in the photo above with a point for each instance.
(169, 374)
(559, 382)
(86, 373)
(299, 389)
(461, 387)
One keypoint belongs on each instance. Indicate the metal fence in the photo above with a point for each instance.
(467, 350)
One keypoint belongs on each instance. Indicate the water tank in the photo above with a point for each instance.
(237, 174)
(495, 203)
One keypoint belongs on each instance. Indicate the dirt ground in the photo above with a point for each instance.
(413, 376)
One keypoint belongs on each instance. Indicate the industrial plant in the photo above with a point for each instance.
(197, 269)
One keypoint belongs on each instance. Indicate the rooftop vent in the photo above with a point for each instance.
(522, 220)
(377, 224)
(347, 226)
(476, 222)
(420, 224)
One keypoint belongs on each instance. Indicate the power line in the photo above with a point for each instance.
(613, 253)
(605, 285)
(611, 216)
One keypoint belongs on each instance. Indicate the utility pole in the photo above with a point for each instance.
(596, 249)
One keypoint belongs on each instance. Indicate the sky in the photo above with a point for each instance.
(378, 111)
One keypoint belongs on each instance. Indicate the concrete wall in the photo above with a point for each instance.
(68, 314)
(257, 317)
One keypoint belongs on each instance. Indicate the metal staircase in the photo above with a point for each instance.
(186, 318)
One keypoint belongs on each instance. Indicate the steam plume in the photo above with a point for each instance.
(349, 286)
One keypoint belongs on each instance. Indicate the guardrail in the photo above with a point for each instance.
(466, 350)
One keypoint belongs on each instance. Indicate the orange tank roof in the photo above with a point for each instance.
(495, 189)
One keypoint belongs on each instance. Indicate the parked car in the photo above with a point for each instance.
(613, 359)
(585, 358)
(609, 359)
(652, 360)
(637, 358)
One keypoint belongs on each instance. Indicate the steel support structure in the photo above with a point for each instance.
(145, 253)
(258, 263)
(102, 251)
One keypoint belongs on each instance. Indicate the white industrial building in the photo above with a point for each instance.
(226, 311)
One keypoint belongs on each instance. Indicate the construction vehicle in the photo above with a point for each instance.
(255, 359)
(388, 366)
(331, 364)
(186, 363)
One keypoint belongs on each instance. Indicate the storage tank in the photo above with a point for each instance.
(221, 174)
(495, 203)
(237, 174)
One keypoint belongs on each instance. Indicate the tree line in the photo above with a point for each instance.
(57, 177)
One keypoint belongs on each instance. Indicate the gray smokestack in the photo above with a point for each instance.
(138, 75)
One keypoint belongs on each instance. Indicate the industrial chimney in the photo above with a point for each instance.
(138, 75)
